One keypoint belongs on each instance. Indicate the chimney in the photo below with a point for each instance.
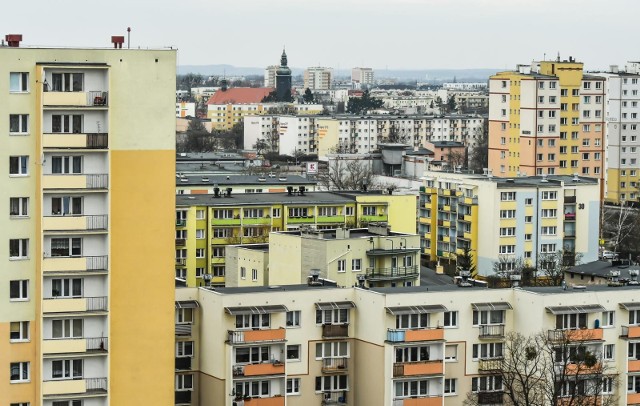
(13, 40)
(117, 41)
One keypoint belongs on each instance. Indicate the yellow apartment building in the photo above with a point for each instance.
(83, 226)
(508, 220)
(419, 346)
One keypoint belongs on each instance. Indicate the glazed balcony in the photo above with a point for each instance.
(490, 365)
(251, 336)
(390, 274)
(419, 401)
(491, 331)
(585, 334)
(263, 369)
(335, 330)
(335, 365)
(87, 386)
(630, 332)
(94, 98)
(183, 363)
(407, 336)
(75, 141)
(75, 181)
(183, 397)
(181, 242)
(490, 397)
(75, 305)
(431, 367)
(75, 264)
(75, 345)
(75, 223)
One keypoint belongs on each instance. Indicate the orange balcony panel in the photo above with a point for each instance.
(633, 399)
(274, 401)
(634, 366)
(424, 335)
(264, 335)
(423, 368)
(634, 332)
(573, 369)
(585, 334)
(432, 401)
(263, 369)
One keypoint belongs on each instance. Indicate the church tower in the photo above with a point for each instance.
(283, 79)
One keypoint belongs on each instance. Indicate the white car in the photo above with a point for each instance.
(608, 255)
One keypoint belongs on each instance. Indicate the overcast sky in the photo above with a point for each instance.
(397, 34)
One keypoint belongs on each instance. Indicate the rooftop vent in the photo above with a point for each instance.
(228, 194)
(117, 41)
(205, 179)
(544, 178)
(216, 192)
(282, 178)
(510, 180)
(579, 287)
(13, 40)
(262, 179)
(290, 190)
(314, 278)
(184, 179)
(576, 178)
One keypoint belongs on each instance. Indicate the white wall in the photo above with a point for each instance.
(92, 245)
(92, 162)
(90, 122)
(92, 203)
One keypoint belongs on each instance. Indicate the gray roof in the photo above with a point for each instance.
(446, 144)
(602, 269)
(260, 289)
(589, 288)
(235, 180)
(261, 199)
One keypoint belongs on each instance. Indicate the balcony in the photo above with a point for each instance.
(301, 220)
(570, 216)
(183, 397)
(419, 401)
(633, 398)
(491, 331)
(433, 367)
(257, 221)
(585, 334)
(407, 336)
(633, 365)
(181, 261)
(95, 98)
(75, 264)
(75, 345)
(330, 219)
(250, 336)
(489, 365)
(75, 141)
(335, 365)
(183, 363)
(374, 218)
(630, 332)
(183, 329)
(272, 401)
(66, 387)
(490, 397)
(75, 223)
(263, 369)
(334, 398)
(390, 274)
(335, 330)
(80, 181)
(181, 242)
(181, 223)
(75, 305)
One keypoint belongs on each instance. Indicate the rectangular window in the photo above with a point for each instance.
(223, 214)
(608, 351)
(200, 234)
(18, 124)
(199, 252)
(243, 273)
(19, 206)
(66, 164)
(571, 321)
(19, 331)
(369, 210)
(293, 386)
(67, 82)
(66, 247)
(412, 321)
(342, 265)
(608, 318)
(275, 213)
(254, 275)
(19, 248)
(507, 196)
(66, 123)
(253, 213)
(348, 211)
(334, 349)
(332, 383)
(18, 82)
(66, 205)
(66, 369)
(450, 386)
(293, 318)
(484, 317)
(451, 319)
(507, 214)
(486, 383)
(67, 328)
(293, 352)
(200, 214)
(451, 352)
(20, 372)
(184, 382)
(19, 290)
(335, 316)
(200, 271)
(19, 165)
(356, 264)
(184, 349)
(66, 288)
(547, 248)
(184, 316)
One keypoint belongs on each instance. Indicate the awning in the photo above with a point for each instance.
(335, 305)
(234, 311)
(575, 309)
(630, 306)
(187, 304)
(401, 310)
(491, 306)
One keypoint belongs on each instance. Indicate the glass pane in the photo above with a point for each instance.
(56, 124)
(14, 123)
(77, 81)
(77, 327)
(77, 124)
(14, 82)
(56, 328)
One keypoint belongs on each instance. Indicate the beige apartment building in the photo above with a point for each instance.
(418, 346)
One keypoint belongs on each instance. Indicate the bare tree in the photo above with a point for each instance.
(508, 265)
(619, 223)
(553, 265)
(353, 174)
(456, 159)
(479, 155)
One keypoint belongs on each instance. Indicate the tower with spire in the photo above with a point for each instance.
(283, 79)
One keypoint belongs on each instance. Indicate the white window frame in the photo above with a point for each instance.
(24, 368)
(450, 319)
(67, 369)
(200, 214)
(22, 251)
(293, 347)
(184, 349)
(183, 384)
(449, 388)
(22, 331)
(68, 328)
(22, 206)
(254, 275)
(23, 290)
(608, 319)
(293, 318)
(342, 265)
(21, 79)
(293, 386)
(356, 264)
(23, 165)
(23, 124)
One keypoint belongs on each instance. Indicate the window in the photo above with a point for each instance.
(18, 165)
(412, 321)
(487, 350)
(450, 386)
(507, 231)
(66, 205)
(545, 248)
(293, 352)
(298, 212)
(608, 318)
(528, 201)
(19, 206)
(27, 404)
(200, 234)
(67, 287)
(407, 261)
(332, 349)
(293, 318)
(184, 382)
(223, 214)
(199, 252)
(66, 123)
(483, 317)
(486, 383)
(548, 230)
(608, 351)
(243, 272)
(549, 195)
(507, 196)
(275, 213)
(334, 316)
(19, 290)
(67, 328)
(254, 275)
(66, 247)
(634, 317)
(327, 211)
(19, 372)
(252, 355)
(67, 368)
(200, 214)
(571, 321)
(356, 264)
(19, 248)
(348, 210)
(342, 265)
(18, 82)
(253, 213)
(507, 249)
(66, 164)
(221, 232)
(368, 210)
(293, 386)
(217, 252)
(19, 331)
(67, 82)
(253, 388)
(184, 349)
(184, 316)
(218, 270)
(507, 214)
(451, 352)
(451, 319)
(18, 124)
(332, 383)
(528, 219)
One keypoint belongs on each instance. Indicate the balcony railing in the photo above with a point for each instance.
(183, 363)
(261, 369)
(630, 332)
(418, 368)
(97, 304)
(248, 336)
(570, 216)
(183, 329)
(490, 397)
(75, 140)
(181, 242)
(97, 98)
(491, 331)
(97, 263)
(182, 397)
(381, 274)
(335, 365)
(584, 334)
(75, 345)
(423, 334)
(334, 398)
(181, 261)
(97, 181)
(58, 304)
(335, 330)
(181, 223)
(488, 365)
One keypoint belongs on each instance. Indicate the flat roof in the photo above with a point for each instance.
(274, 288)
(258, 199)
(570, 289)
(230, 180)
(330, 234)
(521, 181)
(603, 269)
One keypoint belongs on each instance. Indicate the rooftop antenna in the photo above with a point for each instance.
(558, 56)
(128, 37)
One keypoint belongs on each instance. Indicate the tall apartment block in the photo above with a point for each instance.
(547, 118)
(508, 221)
(363, 76)
(318, 78)
(89, 157)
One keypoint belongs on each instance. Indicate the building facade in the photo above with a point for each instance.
(81, 237)
(363, 76)
(318, 78)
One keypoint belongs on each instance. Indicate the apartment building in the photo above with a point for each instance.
(508, 220)
(268, 183)
(318, 78)
(185, 109)
(206, 224)
(547, 118)
(80, 234)
(372, 256)
(418, 346)
(363, 76)
(270, 76)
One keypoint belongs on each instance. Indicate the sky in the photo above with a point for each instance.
(392, 34)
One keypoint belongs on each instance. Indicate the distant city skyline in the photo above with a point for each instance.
(392, 34)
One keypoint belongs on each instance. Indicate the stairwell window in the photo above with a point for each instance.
(18, 124)
(19, 165)
(19, 290)
(20, 372)
(18, 82)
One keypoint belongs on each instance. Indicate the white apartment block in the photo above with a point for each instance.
(364, 76)
(422, 346)
(290, 134)
(318, 78)
(465, 86)
(270, 76)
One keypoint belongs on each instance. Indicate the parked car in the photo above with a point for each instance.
(608, 255)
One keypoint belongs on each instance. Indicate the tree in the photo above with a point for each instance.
(456, 158)
(507, 266)
(308, 96)
(197, 139)
(451, 104)
(440, 105)
(553, 265)
(479, 156)
(260, 146)
(350, 174)
(556, 367)
(464, 261)
(359, 105)
(233, 138)
(272, 97)
(620, 225)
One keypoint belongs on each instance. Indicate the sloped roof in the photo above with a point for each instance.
(240, 95)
